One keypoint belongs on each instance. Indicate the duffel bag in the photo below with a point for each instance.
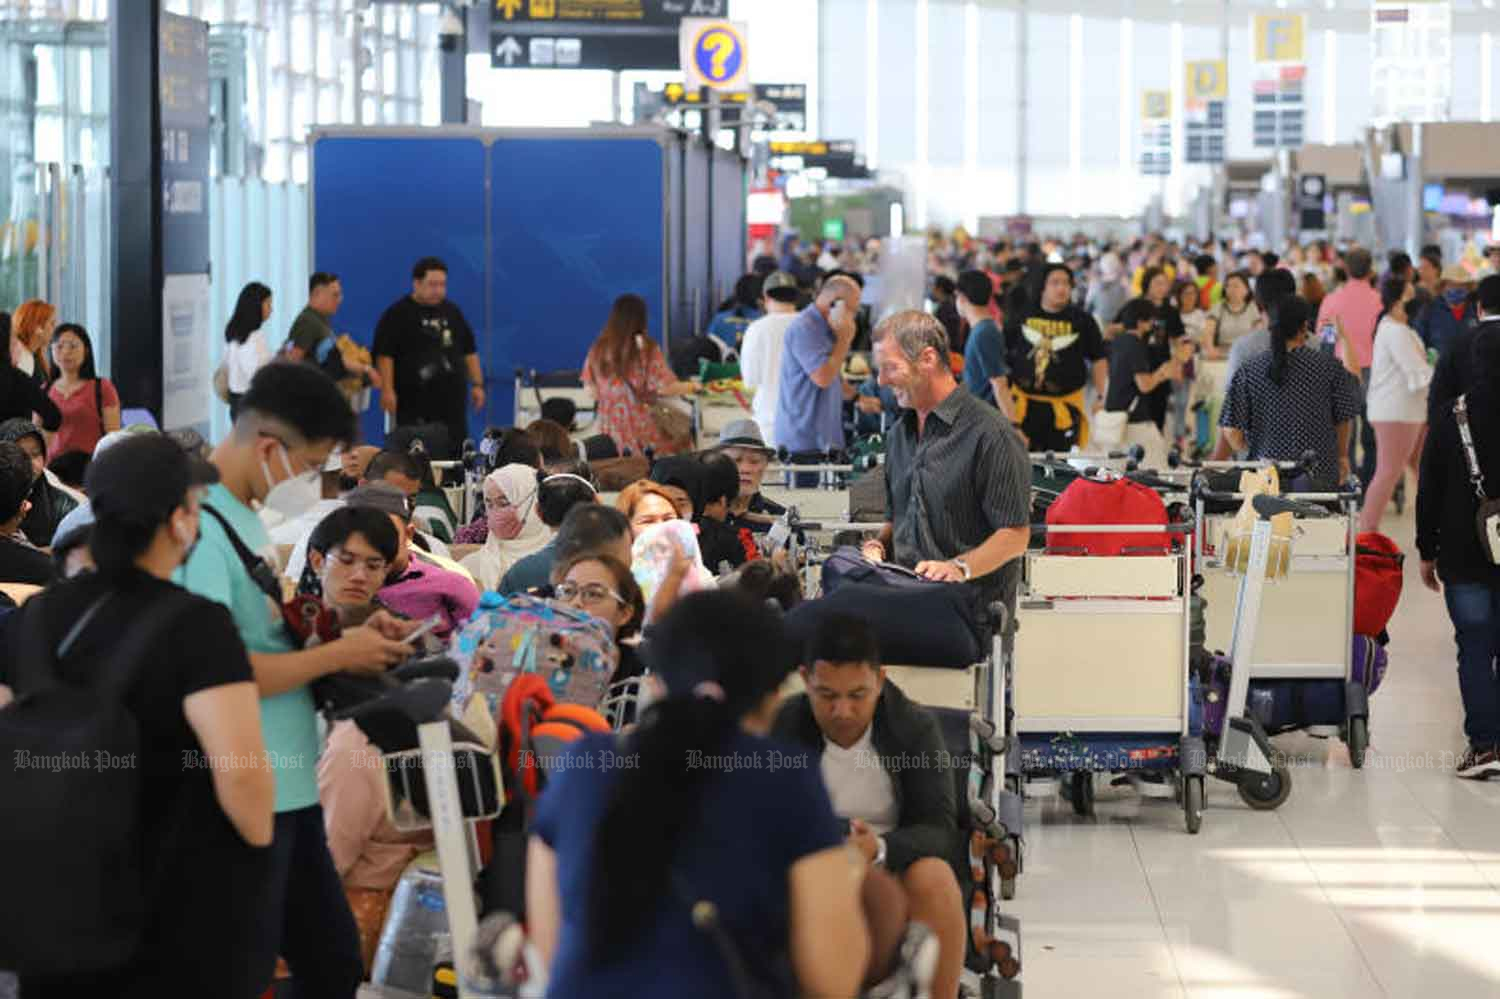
(1377, 582)
(1108, 501)
(847, 565)
(614, 474)
(931, 624)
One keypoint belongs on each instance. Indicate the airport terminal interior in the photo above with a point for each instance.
(851, 499)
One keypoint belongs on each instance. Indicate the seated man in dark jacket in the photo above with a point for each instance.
(50, 502)
(885, 765)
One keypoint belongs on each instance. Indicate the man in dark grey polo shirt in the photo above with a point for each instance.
(958, 480)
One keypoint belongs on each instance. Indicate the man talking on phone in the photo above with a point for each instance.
(810, 407)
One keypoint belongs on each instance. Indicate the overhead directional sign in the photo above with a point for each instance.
(714, 54)
(1206, 91)
(591, 34)
(836, 157)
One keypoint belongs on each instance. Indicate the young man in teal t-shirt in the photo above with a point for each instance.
(289, 421)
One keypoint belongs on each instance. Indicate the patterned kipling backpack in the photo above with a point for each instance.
(572, 651)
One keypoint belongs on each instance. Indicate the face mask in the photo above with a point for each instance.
(504, 522)
(347, 483)
(1455, 296)
(294, 495)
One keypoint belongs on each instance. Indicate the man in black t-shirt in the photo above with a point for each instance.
(1053, 350)
(425, 350)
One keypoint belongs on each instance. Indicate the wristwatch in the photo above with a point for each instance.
(964, 568)
(880, 851)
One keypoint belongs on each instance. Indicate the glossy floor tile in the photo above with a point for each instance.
(1379, 882)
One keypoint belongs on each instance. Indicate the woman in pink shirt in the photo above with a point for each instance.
(90, 405)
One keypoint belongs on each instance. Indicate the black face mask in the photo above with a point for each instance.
(347, 483)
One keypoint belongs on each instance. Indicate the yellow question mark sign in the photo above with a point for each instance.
(722, 45)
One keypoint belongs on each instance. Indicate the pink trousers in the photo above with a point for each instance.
(1398, 446)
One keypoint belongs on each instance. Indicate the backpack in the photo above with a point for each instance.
(72, 755)
(1377, 582)
(508, 636)
(1108, 501)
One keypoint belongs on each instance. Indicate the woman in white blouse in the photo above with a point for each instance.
(245, 348)
(1397, 399)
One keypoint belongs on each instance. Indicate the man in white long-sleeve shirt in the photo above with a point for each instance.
(760, 352)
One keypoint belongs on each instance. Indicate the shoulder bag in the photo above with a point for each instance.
(1487, 517)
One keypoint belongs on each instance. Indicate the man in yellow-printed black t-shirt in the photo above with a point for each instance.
(1053, 348)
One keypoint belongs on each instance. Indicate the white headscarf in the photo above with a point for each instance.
(1109, 267)
(489, 564)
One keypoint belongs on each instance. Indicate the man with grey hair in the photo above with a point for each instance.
(958, 480)
(810, 401)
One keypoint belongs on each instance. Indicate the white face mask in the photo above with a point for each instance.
(294, 495)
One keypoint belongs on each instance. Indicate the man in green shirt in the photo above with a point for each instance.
(312, 338)
(289, 421)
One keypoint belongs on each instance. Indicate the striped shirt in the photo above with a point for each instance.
(965, 477)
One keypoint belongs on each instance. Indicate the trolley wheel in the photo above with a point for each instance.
(1358, 738)
(1083, 794)
(1264, 792)
(1192, 803)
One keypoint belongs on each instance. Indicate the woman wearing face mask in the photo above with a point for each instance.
(206, 829)
(515, 526)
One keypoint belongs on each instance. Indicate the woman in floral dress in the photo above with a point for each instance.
(627, 373)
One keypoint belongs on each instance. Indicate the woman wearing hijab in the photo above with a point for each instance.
(515, 525)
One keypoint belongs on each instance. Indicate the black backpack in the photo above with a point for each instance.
(71, 852)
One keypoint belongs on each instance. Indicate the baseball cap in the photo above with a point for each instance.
(781, 282)
(382, 496)
(144, 478)
(746, 434)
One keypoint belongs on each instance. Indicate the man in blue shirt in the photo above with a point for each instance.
(810, 407)
(289, 421)
(986, 375)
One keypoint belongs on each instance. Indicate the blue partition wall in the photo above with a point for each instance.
(576, 222)
(382, 202)
(541, 231)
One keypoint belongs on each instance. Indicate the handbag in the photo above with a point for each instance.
(1487, 517)
(1109, 427)
(675, 426)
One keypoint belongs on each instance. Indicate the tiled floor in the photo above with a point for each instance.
(1382, 882)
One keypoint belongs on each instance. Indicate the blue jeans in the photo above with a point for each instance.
(1475, 611)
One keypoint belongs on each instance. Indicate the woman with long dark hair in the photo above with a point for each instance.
(89, 404)
(685, 850)
(628, 373)
(1290, 400)
(245, 348)
(1396, 402)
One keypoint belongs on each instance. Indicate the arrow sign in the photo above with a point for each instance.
(509, 50)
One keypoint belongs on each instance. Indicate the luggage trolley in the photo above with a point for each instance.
(1313, 607)
(1081, 707)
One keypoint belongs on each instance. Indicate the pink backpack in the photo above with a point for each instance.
(572, 651)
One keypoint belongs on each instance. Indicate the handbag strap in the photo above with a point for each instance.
(1466, 437)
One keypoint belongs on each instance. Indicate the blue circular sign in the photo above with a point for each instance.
(718, 54)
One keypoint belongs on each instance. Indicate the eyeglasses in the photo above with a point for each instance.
(374, 566)
(588, 593)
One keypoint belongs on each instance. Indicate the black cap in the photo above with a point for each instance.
(144, 479)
